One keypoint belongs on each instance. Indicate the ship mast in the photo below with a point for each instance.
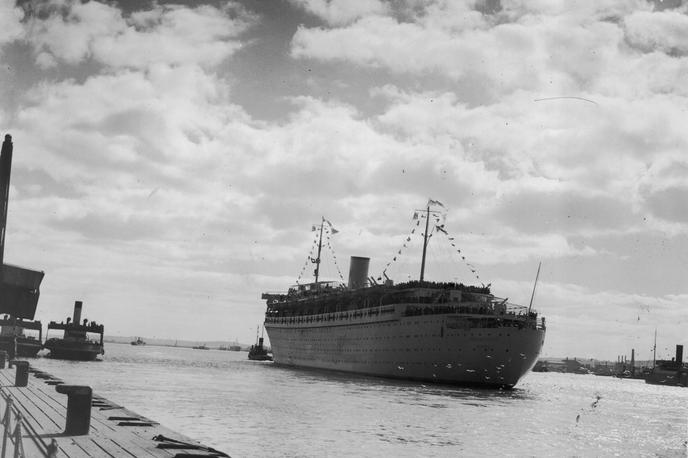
(532, 296)
(654, 351)
(425, 243)
(317, 260)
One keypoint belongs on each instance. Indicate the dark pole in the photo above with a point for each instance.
(317, 260)
(5, 171)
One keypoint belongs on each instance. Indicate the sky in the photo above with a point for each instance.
(171, 158)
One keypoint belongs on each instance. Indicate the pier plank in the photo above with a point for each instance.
(114, 430)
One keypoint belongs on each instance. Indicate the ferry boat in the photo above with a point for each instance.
(446, 333)
(76, 344)
(15, 341)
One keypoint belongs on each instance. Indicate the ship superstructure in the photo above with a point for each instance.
(19, 287)
(76, 342)
(419, 330)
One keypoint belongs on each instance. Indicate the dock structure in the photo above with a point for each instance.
(42, 416)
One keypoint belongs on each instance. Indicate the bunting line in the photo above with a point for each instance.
(439, 226)
(417, 217)
(470, 266)
(328, 231)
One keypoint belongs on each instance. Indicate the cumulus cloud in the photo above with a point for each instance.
(541, 130)
(173, 35)
(669, 203)
(10, 26)
(550, 48)
(563, 212)
(342, 11)
(505, 58)
(665, 31)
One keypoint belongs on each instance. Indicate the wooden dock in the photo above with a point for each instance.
(39, 424)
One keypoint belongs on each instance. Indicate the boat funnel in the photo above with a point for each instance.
(358, 272)
(77, 312)
(679, 354)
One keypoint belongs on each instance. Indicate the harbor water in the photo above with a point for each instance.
(256, 409)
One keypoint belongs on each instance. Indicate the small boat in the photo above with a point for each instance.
(232, 346)
(200, 347)
(258, 352)
(671, 373)
(138, 341)
(75, 343)
(15, 341)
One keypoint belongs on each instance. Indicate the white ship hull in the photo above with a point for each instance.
(440, 348)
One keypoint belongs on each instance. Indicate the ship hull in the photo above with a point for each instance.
(26, 347)
(259, 357)
(676, 377)
(426, 348)
(73, 350)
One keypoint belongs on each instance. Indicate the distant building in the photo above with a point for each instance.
(572, 366)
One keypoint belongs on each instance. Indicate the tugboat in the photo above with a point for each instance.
(19, 287)
(138, 341)
(258, 352)
(75, 344)
(671, 373)
(15, 342)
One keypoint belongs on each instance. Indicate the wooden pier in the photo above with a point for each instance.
(45, 417)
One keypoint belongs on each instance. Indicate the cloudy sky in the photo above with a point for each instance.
(171, 158)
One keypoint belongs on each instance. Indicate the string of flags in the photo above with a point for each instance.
(470, 266)
(328, 230)
(416, 217)
(310, 259)
(334, 255)
(439, 226)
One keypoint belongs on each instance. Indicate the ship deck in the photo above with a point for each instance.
(114, 430)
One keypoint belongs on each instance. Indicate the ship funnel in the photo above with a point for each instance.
(77, 312)
(358, 272)
(679, 354)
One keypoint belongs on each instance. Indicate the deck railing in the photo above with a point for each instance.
(14, 436)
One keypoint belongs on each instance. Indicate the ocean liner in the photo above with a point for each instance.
(447, 333)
